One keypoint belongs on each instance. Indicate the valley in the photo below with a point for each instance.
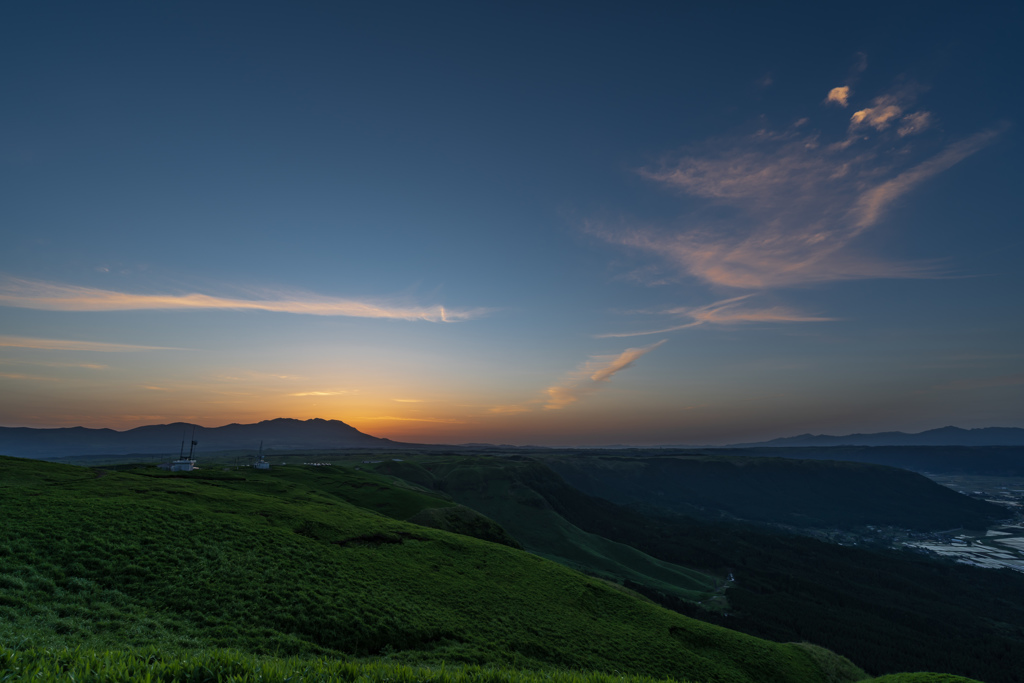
(759, 575)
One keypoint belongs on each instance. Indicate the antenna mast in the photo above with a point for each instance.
(194, 444)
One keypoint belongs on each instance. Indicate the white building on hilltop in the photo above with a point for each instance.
(262, 464)
(183, 463)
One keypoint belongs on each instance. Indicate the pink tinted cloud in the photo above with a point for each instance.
(49, 296)
(882, 113)
(840, 96)
(509, 409)
(50, 364)
(917, 122)
(869, 207)
(797, 205)
(442, 420)
(27, 378)
(727, 312)
(592, 375)
(73, 345)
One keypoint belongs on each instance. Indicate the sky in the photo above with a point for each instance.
(526, 223)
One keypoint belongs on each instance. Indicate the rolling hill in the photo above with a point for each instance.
(999, 461)
(281, 433)
(512, 492)
(267, 564)
(799, 493)
(889, 610)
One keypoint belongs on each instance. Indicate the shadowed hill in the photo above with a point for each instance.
(801, 493)
(888, 610)
(394, 497)
(514, 491)
(999, 461)
(184, 562)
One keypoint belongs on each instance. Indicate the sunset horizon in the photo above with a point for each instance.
(548, 226)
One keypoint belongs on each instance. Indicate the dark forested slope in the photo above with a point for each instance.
(886, 610)
(801, 493)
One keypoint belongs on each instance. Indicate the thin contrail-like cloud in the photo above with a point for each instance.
(509, 409)
(48, 296)
(51, 364)
(727, 312)
(73, 345)
(30, 378)
(592, 375)
(586, 379)
(442, 420)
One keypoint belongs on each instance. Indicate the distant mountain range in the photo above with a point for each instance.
(288, 434)
(279, 434)
(944, 436)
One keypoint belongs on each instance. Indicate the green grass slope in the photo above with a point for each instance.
(225, 666)
(513, 491)
(389, 496)
(46, 666)
(109, 561)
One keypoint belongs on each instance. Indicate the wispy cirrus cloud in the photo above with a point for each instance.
(891, 108)
(73, 345)
(915, 123)
(46, 364)
(883, 112)
(514, 409)
(49, 296)
(790, 206)
(726, 312)
(589, 377)
(28, 378)
(443, 420)
(871, 203)
(798, 205)
(340, 392)
(592, 376)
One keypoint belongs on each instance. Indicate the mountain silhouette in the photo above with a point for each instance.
(944, 436)
(280, 434)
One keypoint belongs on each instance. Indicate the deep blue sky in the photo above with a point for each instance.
(223, 212)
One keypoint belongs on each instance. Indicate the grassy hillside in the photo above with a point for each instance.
(802, 493)
(220, 666)
(152, 664)
(115, 560)
(886, 610)
(512, 491)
